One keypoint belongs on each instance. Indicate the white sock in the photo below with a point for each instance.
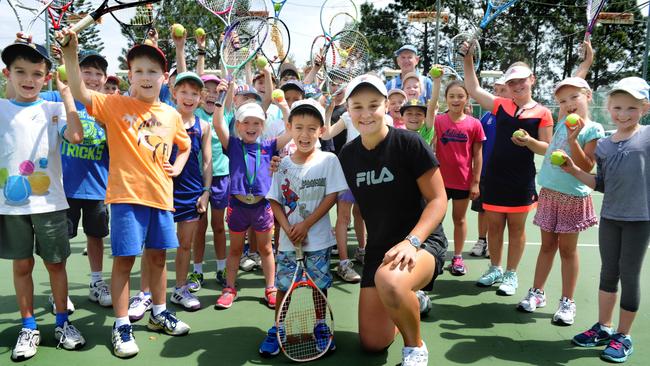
(121, 321)
(157, 309)
(198, 267)
(221, 264)
(95, 277)
(344, 262)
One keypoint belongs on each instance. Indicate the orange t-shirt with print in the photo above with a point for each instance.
(140, 138)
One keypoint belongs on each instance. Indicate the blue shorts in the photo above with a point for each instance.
(241, 216)
(220, 192)
(317, 264)
(135, 226)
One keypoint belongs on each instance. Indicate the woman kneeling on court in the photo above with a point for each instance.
(395, 179)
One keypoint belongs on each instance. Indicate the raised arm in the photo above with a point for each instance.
(220, 126)
(332, 130)
(77, 86)
(585, 65)
(268, 87)
(74, 132)
(482, 96)
(179, 43)
(432, 104)
(200, 56)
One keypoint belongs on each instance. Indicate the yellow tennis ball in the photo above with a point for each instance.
(278, 95)
(63, 75)
(571, 120)
(148, 42)
(261, 62)
(557, 158)
(519, 134)
(199, 32)
(178, 30)
(435, 72)
(343, 53)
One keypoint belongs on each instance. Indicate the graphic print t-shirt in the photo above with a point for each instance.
(300, 188)
(30, 157)
(140, 137)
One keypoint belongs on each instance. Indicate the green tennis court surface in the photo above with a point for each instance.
(467, 326)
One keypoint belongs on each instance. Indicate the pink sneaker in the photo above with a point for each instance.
(270, 297)
(228, 296)
(457, 267)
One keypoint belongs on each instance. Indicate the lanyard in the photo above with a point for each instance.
(258, 162)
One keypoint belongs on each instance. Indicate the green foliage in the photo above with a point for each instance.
(89, 38)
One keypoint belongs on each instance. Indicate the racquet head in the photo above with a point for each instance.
(278, 42)
(341, 22)
(330, 8)
(345, 57)
(455, 58)
(594, 7)
(137, 21)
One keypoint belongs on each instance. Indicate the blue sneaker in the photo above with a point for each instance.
(270, 346)
(322, 334)
(595, 336)
(619, 348)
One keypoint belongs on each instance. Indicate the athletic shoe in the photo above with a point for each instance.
(493, 275)
(595, 336)
(415, 356)
(457, 267)
(85, 252)
(99, 292)
(26, 345)
(534, 299)
(167, 322)
(270, 297)
(139, 305)
(479, 249)
(509, 285)
(246, 264)
(425, 302)
(347, 273)
(566, 312)
(70, 305)
(360, 255)
(255, 257)
(619, 348)
(69, 337)
(228, 296)
(194, 281)
(123, 340)
(221, 277)
(270, 346)
(322, 334)
(182, 296)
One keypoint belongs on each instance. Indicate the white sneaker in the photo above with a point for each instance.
(509, 285)
(70, 305)
(566, 312)
(138, 306)
(167, 322)
(479, 249)
(425, 302)
(534, 299)
(69, 337)
(415, 356)
(347, 273)
(246, 264)
(183, 297)
(99, 292)
(26, 345)
(255, 257)
(124, 345)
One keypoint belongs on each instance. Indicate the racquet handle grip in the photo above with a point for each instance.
(84, 23)
(221, 97)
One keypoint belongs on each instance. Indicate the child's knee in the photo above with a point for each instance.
(23, 267)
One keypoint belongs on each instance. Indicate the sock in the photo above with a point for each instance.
(146, 294)
(344, 262)
(122, 321)
(483, 239)
(30, 323)
(198, 267)
(458, 256)
(95, 277)
(61, 318)
(157, 309)
(221, 264)
(607, 329)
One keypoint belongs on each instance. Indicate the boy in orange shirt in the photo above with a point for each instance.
(141, 131)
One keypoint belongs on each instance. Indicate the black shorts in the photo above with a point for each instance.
(477, 204)
(95, 217)
(436, 244)
(456, 194)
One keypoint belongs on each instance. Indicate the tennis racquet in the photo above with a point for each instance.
(345, 57)
(103, 9)
(594, 7)
(330, 9)
(277, 7)
(35, 11)
(278, 43)
(305, 321)
(241, 42)
(57, 11)
(137, 21)
(341, 22)
(224, 9)
(494, 8)
(455, 59)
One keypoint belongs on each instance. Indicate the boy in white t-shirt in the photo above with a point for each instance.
(33, 203)
(302, 192)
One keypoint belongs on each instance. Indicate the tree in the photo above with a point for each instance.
(381, 29)
(89, 38)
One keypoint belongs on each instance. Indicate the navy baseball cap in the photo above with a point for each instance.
(90, 55)
(406, 47)
(11, 52)
(413, 103)
(293, 85)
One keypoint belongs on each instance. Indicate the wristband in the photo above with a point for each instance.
(201, 52)
(206, 189)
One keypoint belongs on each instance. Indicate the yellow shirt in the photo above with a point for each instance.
(140, 138)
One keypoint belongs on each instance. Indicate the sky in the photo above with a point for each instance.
(301, 16)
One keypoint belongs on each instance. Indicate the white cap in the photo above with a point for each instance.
(366, 79)
(309, 104)
(500, 81)
(250, 110)
(517, 72)
(635, 86)
(397, 91)
(572, 81)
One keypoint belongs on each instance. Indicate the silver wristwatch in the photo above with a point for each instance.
(414, 241)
